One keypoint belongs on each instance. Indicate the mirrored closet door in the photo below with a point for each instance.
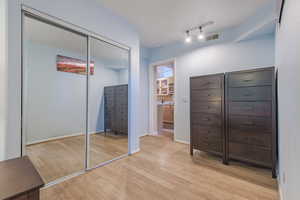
(107, 102)
(54, 98)
(74, 99)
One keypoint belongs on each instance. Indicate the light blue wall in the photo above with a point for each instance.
(54, 104)
(3, 77)
(215, 58)
(288, 64)
(144, 91)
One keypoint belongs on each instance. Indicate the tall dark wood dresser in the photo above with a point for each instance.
(207, 114)
(251, 117)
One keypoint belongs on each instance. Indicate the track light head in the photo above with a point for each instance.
(188, 37)
(201, 35)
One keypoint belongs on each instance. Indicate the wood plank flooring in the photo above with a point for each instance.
(164, 170)
(59, 158)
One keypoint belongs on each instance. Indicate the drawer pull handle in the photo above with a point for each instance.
(247, 80)
(206, 119)
(247, 95)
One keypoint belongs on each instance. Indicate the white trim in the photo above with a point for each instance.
(53, 138)
(182, 141)
(280, 189)
(168, 130)
(60, 137)
(153, 133)
(145, 134)
(60, 180)
(152, 96)
(135, 151)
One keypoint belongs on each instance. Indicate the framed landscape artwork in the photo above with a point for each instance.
(73, 65)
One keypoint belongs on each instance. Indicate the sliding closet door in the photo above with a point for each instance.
(54, 98)
(108, 102)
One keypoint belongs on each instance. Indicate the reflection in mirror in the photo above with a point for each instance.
(54, 98)
(108, 103)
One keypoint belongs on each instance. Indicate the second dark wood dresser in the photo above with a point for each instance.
(251, 117)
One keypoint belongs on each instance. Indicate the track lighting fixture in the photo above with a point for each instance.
(197, 31)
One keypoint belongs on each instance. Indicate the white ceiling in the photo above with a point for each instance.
(38, 32)
(160, 22)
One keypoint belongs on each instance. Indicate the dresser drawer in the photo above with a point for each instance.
(121, 89)
(213, 107)
(212, 133)
(209, 82)
(250, 108)
(109, 90)
(250, 138)
(250, 124)
(206, 119)
(249, 153)
(207, 95)
(263, 93)
(254, 78)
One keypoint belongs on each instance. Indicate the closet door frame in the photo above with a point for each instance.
(57, 22)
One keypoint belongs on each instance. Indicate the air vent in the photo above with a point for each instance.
(212, 37)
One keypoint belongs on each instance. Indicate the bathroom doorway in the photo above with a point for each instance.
(162, 99)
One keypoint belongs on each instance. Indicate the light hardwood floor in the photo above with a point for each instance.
(164, 170)
(62, 157)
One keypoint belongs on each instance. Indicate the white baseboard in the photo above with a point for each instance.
(60, 137)
(168, 130)
(145, 134)
(153, 133)
(281, 197)
(181, 141)
(135, 151)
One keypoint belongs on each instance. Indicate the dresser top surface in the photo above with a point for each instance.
(18, 176)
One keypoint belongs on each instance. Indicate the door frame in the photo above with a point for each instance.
(30, 12)
(153, 129)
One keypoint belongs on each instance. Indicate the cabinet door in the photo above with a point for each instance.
(168, 114)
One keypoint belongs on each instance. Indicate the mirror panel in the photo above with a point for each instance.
(108, 102)
(54, 98)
